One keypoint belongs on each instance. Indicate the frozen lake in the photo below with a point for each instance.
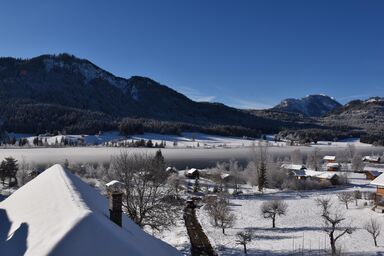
(179, 157)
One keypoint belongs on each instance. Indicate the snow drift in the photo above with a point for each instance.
(58, 214)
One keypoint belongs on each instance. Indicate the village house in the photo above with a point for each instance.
(372, 159)
(295, 170)
(372, 173)
(333, 167)
(379, 194)
(329, 159)
(332, 177)
(192, 173)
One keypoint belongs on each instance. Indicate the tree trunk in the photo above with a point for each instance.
(346, 205)
(223, 231)
(273, 222)
(333, 245)
(245, 248)
(375, 240)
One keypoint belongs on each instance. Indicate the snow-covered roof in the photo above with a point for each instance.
(58, 214)
(225, 175)
(321, 175)
(298, 173)
(371, 158)
(333, 165)
(293, 166)
(329, 158)
(379, 181)
(371, 168)
(192, 171)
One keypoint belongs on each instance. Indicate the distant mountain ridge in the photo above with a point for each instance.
(56, 91)
(311, 105)
(67, 94)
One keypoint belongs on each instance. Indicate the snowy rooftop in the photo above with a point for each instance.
(58, 214)
(371, 168)
(321, 175)
(192, 171)
(329, 158)
(334, 165)
(293, 166)
(379, 181)
(225, 175)
(371, 158)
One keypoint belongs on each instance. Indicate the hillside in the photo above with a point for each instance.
(310, 106)
(56, 92)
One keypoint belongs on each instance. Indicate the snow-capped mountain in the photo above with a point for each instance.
(56, 92)
(311, 105)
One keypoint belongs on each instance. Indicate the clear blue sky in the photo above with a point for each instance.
(248, 53)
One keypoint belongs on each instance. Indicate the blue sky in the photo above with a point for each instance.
(247, 53)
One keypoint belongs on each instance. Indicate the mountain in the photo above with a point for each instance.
(311, 105)
(361, 114)
(62, 92)
(58, 214)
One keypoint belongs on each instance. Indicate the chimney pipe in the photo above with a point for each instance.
(115, 195)
(115, 204)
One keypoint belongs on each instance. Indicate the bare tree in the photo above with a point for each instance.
(147, 196)
(357, 163)
(176, 183)
(345, 198)
(332, 222)
(220, 214)
(313, 159)
(235, 172)
(272, 209)
(23, 173)
(243, 238)
(350, 151)
(373, 227)
(356, 195)
(296, 157)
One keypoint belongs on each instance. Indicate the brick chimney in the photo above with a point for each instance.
(115, 195)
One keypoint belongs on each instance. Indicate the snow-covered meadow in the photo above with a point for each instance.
(299, 232)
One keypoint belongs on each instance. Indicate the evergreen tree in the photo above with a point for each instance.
(11, 168)
(262, 178)
(3, 172)
(196, 186)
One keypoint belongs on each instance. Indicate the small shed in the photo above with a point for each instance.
(329, 159)
(192, 173)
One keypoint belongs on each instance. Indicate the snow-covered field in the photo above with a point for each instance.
(299, 231)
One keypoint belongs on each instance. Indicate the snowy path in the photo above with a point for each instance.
(200, 244)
